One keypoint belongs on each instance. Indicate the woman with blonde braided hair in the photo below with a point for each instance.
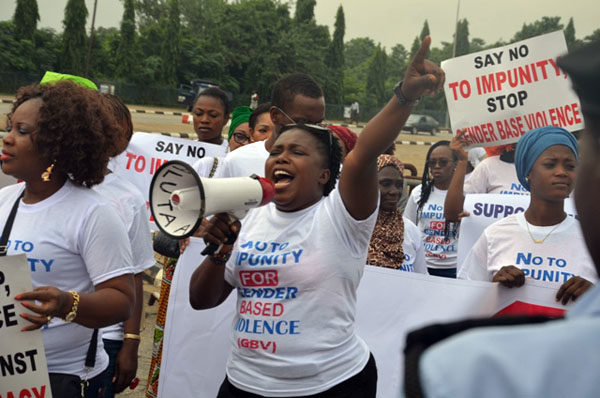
(396, 241)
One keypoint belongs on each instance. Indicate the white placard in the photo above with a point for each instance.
(147, 152)
(23, 369)
(390, 304)
(500, 94)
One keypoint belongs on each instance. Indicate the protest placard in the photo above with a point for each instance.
(197, 343)
(147, 152)
(498, 95)
(23, 369)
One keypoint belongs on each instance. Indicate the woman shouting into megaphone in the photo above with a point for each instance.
(297, 262)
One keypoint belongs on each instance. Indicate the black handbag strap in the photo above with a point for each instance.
(90, 357)
(8, 226)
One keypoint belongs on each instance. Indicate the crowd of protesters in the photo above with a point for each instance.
(337, 205)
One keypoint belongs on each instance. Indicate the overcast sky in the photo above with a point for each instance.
(391, 21)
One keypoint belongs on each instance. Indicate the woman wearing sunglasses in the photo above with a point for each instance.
(296, 263)
(425, 207)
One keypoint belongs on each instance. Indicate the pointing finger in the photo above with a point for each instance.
(423, 51)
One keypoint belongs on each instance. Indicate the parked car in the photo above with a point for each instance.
(186, 93)
(416, 123)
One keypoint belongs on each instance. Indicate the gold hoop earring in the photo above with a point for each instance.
(47, 174)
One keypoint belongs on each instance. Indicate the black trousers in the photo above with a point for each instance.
(361, 385)
(69, 386)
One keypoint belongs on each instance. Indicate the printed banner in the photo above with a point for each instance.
(500, 94)
(485, 210)
(23, 368)
(390, 304)
(147, 152)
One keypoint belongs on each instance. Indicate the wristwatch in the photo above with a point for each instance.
(402, 100)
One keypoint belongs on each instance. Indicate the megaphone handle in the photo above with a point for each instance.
(211, 248)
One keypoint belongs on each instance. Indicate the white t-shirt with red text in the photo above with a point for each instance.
(296, 276)
(562, 255)
(440, 250)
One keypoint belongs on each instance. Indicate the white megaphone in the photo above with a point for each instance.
(179, 198)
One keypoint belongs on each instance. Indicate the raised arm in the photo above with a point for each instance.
(358, 183)
(453, 205)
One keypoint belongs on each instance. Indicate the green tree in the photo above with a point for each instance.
(424, 31)
(126, 54)
(170, 45)
(74, 38)
(357, 51)
(105, 48)
(207, 18)
(595, 36)
(334, 59)
(150, 11)
(257, 41)
(376, 93)
(305, 11)
(536, 28)
(476, 44)
(570, 33)
(13, 50)
(415, 47)
(25, 19)
(397, 63)
(462, 38)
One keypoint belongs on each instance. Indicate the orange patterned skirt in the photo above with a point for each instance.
(161, 318)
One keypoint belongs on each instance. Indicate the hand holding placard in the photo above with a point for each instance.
(23, 369)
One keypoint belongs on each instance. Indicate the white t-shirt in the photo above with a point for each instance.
(247, 160)
(73, 240)
(204, 167)
(493, 175)
(414, 251)
(296, 276)
(131, 209)
(507, 242)
(439, 251)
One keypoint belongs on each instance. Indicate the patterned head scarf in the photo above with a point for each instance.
(385, 248)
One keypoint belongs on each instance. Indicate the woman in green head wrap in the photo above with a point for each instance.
(239, 129)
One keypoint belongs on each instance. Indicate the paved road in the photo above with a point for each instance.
(137, 117)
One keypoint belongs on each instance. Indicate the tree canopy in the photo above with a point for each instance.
(242, 45)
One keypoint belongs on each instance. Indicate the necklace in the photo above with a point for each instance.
(540, 241)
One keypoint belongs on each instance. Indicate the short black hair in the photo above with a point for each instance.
(265, 107)
(121, 112)
(330, 149)
(219, 94)
(289, 86)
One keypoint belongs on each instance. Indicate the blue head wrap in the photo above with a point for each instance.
(534, 142)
